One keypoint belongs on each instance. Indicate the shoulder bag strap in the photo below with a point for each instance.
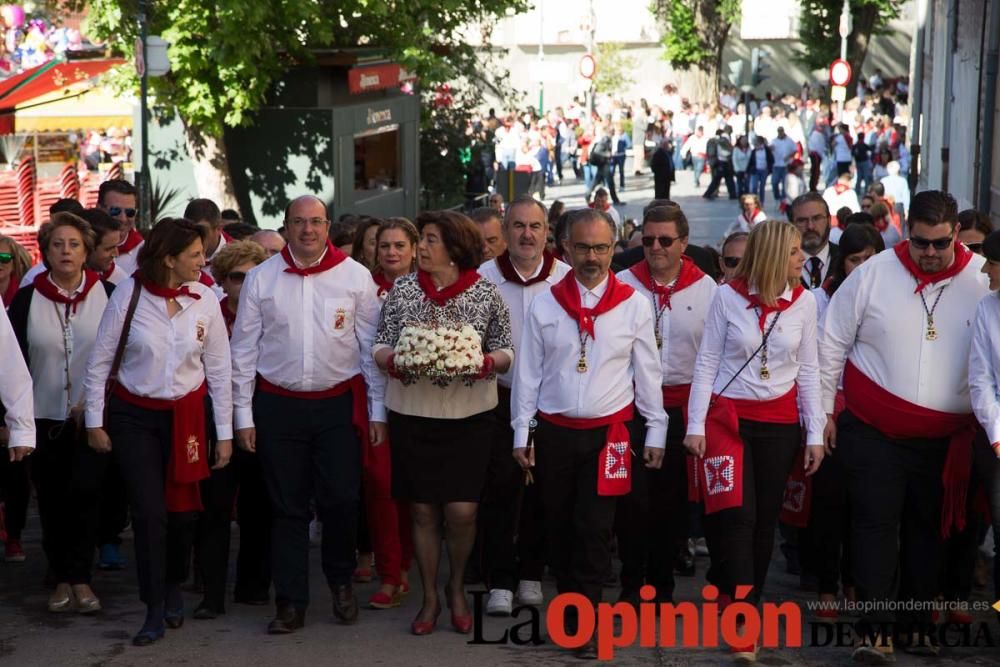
(746, 363)
(122, 341)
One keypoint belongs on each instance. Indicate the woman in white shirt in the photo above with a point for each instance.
(55, 320)
(175, 355)
(756, 364)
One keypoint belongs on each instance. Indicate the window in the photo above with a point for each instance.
(377, 159)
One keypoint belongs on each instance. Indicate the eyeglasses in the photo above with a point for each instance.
(237, 276)
(815, 220)
(312, 222)
(115, 211)
(921, 243)
(6, 257)
(731, 262)
(600, 249)
(665, 241)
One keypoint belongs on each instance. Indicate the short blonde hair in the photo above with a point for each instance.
(22, 258)
(765, 260)
(233, 254)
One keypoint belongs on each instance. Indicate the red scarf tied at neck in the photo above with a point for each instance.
(169, 293)
(567, 295)
(131, 242)
(466, 279)
(510, 273)
(689, 275)
(332, 258)
(740, 286)
(383, 283)
(48, 289)
(962, 258)
(110, 272)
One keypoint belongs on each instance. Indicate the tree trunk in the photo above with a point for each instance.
(696, 84)
(211, 167)
(859, 41)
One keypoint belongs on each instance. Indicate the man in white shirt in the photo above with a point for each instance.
(206, 214)
(16, 395)
(490, 223)
(107, 231)
(521, 272)
(586, 343)
(897, 187)
(842, 195)
(118, 198)
(654, 518)
(270, 240)
(301, 350)
(810, 213)
(902, 325)
(817, 153)
(783, 149)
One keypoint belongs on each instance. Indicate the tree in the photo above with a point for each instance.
(694, 37)
(819, 30)
(225, 55)
(614, 69)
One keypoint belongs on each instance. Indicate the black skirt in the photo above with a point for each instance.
(440, 460)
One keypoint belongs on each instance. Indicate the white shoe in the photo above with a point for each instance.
(530, 592)
(501, 602)
(700, 547)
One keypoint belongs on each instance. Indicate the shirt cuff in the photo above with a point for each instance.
(814, 437)
(520, 437)
(377, 412)
(243, 418)
(656, 438)
(93, 418)
(695, 428)
(223, 431)
(828, 403)
(22, 437)
(993, 432)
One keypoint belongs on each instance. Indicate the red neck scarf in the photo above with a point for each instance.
(962, 258)
(750, 220)
(567, 295)
(466, 279)
(332, 258)
(593, 205)
(49, 290)
(225, 235)
(130, 243)
(740, 286)
(206, 279)
(840, 188)
(689, 275)
(8, 296)
(383, 283)
(111, 270)
(227, 315)
(881, 224)
(510, 273)
(169, 293)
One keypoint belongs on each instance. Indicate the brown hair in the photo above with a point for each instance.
(669, 214)
(65, 220)
(22, 259)
(461, 237)
(401, 224)
(361, 225)
(233, 254)
(169, 238)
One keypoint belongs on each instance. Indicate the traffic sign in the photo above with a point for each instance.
(588, 66)
(840, 72)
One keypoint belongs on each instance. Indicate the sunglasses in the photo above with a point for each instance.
(115, 211)
(7, 258)
(921, 243)
(237, 276)
(665, 241)
(731, 262)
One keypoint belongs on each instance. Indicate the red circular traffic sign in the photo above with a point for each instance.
(840, 72)
(588, 66)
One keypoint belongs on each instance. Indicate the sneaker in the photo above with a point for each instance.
(111, 558)
(13, 552)
(700, 547)
(877, 653)
(501, 602)
(530, 593)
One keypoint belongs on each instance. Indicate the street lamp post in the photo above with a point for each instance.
(541, 59)
(144, 188)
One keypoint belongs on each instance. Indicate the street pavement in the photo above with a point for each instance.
(31, 636)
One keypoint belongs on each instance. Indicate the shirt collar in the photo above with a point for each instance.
(306, 266)
(786, 295)
(538, 269)
(824, 255)
(67, 293)
(598, 291)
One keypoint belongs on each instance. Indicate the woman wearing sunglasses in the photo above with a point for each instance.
(756, 365)
(15, 262)
(55, 320)
(173, 354)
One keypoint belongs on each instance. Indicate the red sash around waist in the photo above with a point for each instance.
(359, 404)
(614, 466)
(676, 395)
(898, 419)
(188, 463)
(781, 410)
(796, 507)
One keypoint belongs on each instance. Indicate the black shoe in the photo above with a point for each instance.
(588, 651)
(287, 620)
(148, 635)
(204, 612)
(345, 604)
(174, 618)
(258, 600)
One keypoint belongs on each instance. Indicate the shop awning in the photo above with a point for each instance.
(93, 108)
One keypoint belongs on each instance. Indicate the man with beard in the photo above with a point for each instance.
(521, 272)
(811, 215)
(588, 355)
(898, 331)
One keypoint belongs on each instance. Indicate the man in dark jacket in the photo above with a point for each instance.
(662, 166)
(761, 164)
(720, 159)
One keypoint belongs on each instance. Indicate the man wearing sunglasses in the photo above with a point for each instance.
(810, 213)
(118, 198)
(898, 331)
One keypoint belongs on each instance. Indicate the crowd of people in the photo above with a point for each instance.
(404, 386)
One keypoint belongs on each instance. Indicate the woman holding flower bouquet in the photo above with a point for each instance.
(443, 336)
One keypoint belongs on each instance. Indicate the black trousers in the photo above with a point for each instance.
(67, 475)
(722, 171)
(141, 442)
(308, 449)
(578, 522)
(253, 513)
(503, 561)
(604, 175)
(987, 470)
(113, 508)
(14, 477)
(213, 533)
(661, 187)
(896, 493)
(632, 514)
(824, 544)
(741, 539)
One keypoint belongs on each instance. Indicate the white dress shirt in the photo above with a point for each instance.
(118, 275)
(824, 266)
(305, 333)
(29, 275)
(622, 352)
(47, 350)
(984, 366)
(518, 299)
(166, 357)
(681, 325)
(878, 323)
(15, 388)
(732, 334)
(129, 261)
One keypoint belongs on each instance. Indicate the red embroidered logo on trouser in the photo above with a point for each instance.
(719, 474)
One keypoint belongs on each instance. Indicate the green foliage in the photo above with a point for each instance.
(695, 30)
(163, 198)
(614, 69)
(683, 46)
(819, 23)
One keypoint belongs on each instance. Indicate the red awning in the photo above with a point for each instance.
(49, 77)
(367, 78)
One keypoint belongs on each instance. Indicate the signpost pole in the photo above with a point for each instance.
(145, 191)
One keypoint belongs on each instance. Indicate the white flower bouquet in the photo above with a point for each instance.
(439, 352)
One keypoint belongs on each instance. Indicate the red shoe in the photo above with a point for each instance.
(13, 552)
(381, 600)
(959, 618)
(404, 589)
(462, 623)
(363, 575)
(420, 628)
